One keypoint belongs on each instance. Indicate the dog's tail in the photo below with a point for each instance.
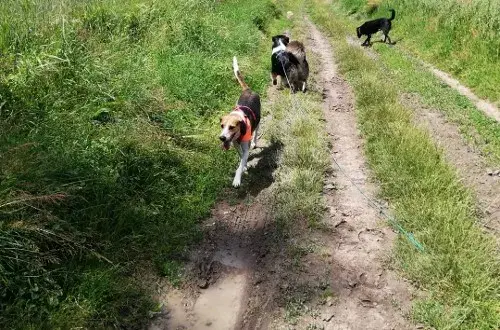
(393, 14)
(238, 74)
(297, 49)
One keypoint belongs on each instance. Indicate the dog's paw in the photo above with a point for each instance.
(236, 182)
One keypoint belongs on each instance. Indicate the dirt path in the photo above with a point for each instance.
(472, 167)
(367, 295)
(248, 275)
(486, 107)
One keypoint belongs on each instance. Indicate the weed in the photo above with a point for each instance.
(172, 270)
(297, 251)
(293, 310)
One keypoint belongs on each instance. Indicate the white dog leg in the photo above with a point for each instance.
(243, 164)
(254, 138)
(237, 146)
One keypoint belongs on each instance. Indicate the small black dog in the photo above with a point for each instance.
(372, 27)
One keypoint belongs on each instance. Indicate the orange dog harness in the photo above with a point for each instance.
(248, 134)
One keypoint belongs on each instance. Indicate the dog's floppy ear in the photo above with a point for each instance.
(243, 128)
(358, 32)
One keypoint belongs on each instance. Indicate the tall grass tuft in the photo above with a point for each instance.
(297, 194)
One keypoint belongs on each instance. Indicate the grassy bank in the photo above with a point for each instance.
(475, 126)
(459, 269)
(460, 37)
(108, 114)
(414, 79)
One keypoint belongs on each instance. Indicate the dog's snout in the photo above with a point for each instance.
(222, 138)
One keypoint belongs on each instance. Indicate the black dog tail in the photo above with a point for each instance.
(393, 14)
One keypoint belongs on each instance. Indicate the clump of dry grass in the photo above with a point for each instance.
(372, 6)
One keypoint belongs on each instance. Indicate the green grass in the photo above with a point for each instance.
(297, 125)
(109, 153)
(297, 203)
(459, 270)
(477, 127)
(412, 78)
(460, 37)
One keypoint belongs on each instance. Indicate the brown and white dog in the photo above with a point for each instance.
(241, 126)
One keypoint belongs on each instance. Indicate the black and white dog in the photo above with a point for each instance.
(371, 27)
(288, 61)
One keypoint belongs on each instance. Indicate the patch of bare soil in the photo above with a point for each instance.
(471, 165)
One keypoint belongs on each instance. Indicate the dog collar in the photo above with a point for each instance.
(240, 108)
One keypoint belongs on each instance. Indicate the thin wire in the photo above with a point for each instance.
(411, 238)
